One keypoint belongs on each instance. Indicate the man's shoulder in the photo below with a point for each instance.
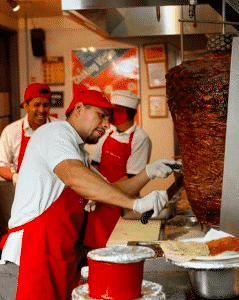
(53, 119)
(53, 125)
(55, 129)
(13, 127)
(139, 131)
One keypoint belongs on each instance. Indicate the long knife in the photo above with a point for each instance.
(171, 191)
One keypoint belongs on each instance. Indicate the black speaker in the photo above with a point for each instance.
(38, 42)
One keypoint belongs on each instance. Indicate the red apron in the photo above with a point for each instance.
(23, 146)
(24, 142)
(48, 260)
(102, 221)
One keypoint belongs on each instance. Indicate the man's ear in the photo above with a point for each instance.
(25, 106)
(78, 108)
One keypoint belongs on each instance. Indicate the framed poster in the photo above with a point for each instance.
(57, 99)
(158, 106)
(53, 70)
(106, 70)
(156, 74)
(154, 53)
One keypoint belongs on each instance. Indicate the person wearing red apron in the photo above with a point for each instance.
(102, 221)
(15, 136)
(37, 100)
(113, 166)
(53, 268)
(48, 207)
(24, 141)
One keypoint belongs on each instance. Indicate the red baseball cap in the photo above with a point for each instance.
(35, 90)
(99, 99)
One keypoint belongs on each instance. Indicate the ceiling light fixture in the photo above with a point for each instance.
(14, 5)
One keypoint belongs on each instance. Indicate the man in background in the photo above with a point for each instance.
(15, 136)
(121, 153)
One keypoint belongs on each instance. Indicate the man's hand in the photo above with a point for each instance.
(156, 200)
(161, 168)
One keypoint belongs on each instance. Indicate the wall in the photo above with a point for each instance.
(62, 36)
(8, 20)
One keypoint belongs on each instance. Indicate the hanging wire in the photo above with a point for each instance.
(181, 33)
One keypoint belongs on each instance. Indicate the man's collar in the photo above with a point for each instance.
(78, 137)
(128, 131)
(26, 123)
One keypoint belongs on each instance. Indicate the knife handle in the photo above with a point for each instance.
(146, 215)
(174, 166)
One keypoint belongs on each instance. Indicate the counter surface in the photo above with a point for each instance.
(175, 281)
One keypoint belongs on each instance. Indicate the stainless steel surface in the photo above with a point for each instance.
(215, 284)
(140, 18)
(101, 4)
(230, 190)
(185, 234)
(189, 213)
(183, 221)
(175, 280)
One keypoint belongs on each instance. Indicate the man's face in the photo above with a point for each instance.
(96, 121)
(38, 110)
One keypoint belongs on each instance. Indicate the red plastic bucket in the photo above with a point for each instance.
(114, 280)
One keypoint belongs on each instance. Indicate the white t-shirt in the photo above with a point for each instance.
(38, 186)
(10, 142)
(141, 147)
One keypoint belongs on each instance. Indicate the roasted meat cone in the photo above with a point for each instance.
(197, 95)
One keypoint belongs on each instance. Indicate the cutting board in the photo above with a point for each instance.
(133, 230)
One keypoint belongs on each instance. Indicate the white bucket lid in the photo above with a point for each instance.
(121, 254)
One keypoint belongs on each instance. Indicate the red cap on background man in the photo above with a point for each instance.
(36, 90)
(94, 98)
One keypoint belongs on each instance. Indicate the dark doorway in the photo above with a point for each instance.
(9, 74)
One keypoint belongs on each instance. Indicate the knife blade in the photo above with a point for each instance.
(171, 191)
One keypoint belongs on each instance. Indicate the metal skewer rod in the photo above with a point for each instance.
(224, 16)
(181, 35)
(209, 21)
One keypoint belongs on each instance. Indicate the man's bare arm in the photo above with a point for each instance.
(132, 186)
(91, 186)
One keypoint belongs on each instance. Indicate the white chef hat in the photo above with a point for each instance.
(125, 98)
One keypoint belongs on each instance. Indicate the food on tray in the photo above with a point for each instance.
(158, 250)
(183, 248)
(221, 245)
(184, 251)
(197, 93)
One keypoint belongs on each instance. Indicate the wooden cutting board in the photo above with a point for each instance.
(133, 230)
